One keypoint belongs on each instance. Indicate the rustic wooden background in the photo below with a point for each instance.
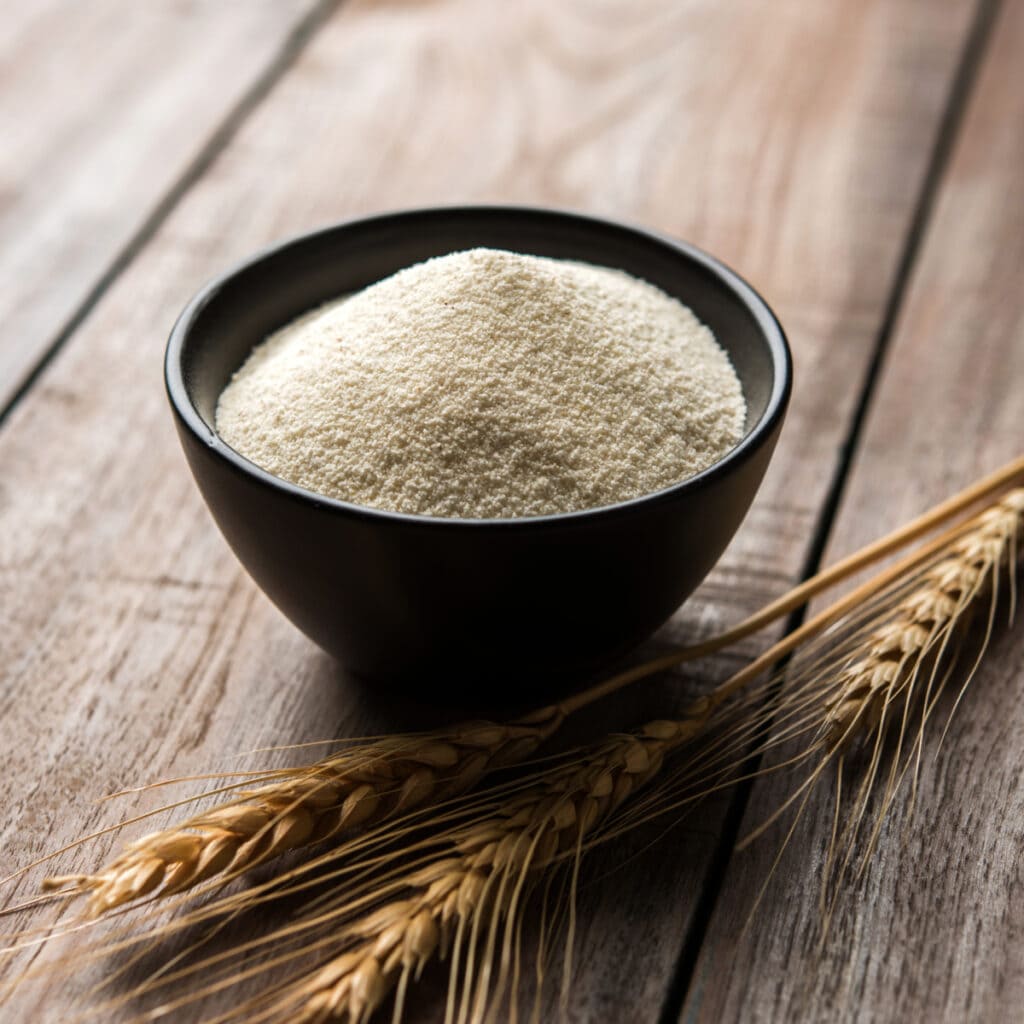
(861, 162)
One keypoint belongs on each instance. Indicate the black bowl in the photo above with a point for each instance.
(492, 609)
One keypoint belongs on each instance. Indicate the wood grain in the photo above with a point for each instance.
(933, 932)
(131, 644)
(103, 107)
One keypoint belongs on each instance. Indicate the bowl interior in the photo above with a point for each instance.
(248, 303)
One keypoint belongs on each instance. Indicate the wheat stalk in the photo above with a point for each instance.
(467, 896)
(481, 872)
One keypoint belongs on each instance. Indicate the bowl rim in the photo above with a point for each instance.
(771, 331)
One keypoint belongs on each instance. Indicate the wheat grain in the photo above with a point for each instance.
(351, 789)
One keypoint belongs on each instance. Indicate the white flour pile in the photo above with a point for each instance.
(488, 384)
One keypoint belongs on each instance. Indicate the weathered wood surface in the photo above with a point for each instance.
(933, 932)
(103, 108)
(792, 139)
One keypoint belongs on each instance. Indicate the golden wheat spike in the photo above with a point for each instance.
(886, 683)
(361, 787)
(890, 656)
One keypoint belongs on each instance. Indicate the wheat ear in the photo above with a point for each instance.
(897, 649)
(356, 787)
(852, 688)
(904, 669)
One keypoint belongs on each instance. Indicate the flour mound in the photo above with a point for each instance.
(488, 384)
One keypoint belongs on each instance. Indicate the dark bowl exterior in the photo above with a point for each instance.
(470, 609)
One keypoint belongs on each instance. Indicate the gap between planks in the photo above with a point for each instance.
(964, 82)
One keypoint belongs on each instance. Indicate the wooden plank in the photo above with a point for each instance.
(933, 931)
(103, 106)
(132, 646)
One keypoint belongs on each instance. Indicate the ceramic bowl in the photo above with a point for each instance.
(466, 609)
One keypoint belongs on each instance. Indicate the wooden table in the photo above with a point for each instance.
(860, 162)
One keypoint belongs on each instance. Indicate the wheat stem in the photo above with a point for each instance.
(799, 595)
